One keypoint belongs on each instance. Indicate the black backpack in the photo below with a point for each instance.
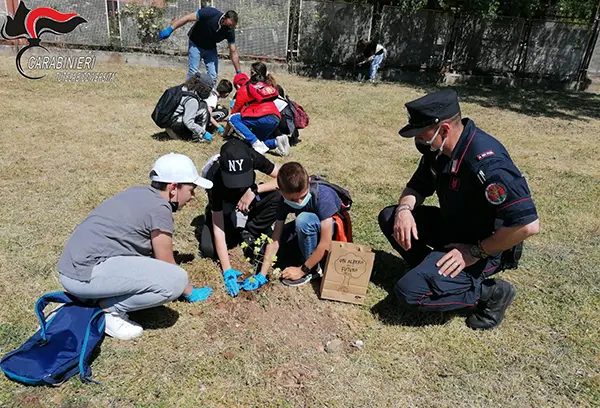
(167, 104)
(342, 193)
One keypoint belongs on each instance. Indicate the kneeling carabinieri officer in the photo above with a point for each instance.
(485, 213)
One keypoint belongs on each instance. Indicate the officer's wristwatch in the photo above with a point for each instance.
(477, 251)
(305, 269)
(254, 189)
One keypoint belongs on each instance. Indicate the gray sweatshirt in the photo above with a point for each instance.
(192, 115)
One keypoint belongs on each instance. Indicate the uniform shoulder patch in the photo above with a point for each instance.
(495, 193)
(485, 154)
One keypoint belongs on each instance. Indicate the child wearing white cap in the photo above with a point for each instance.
(121, 255)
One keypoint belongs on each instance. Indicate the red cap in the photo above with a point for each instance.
(240, 79)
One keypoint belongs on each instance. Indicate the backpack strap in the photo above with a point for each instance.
(84, 369)
(313, 187)
(189, 95)
(42, 302)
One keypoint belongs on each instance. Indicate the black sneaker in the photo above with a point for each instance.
(496, 296)
(298, 282)
(315, 274)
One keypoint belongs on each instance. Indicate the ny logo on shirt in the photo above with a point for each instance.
(234, 164)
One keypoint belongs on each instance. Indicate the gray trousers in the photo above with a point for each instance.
(129, 283)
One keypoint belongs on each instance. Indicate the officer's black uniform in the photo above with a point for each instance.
(479, 190)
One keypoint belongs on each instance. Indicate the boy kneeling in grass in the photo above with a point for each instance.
(314, 226)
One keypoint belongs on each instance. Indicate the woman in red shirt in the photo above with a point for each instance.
(254, 115)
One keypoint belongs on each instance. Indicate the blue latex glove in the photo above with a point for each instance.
(254, 282)
(208, 136)
(221, 129)
(237, 71)
(198, 294)
(165, 33)
(231, 104)
(231, 284)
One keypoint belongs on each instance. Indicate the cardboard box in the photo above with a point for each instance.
(347, 272)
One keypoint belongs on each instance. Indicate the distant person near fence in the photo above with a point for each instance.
(211, 26)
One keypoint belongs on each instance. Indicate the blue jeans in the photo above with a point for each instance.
(308, 229)
(375, 64)
(255, 129)
(210, 57)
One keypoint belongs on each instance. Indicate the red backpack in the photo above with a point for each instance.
(262, 92)
(301, 119)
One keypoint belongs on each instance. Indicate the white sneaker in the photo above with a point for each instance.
(260, 147)
(283, 146)
(119, 326)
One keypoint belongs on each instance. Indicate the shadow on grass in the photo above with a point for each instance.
(161, 136)
(159, 317)
(387, 270)
(566, 105)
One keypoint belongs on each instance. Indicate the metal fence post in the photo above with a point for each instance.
(589, 52)
(524, 50)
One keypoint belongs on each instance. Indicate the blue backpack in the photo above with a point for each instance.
(63, 345)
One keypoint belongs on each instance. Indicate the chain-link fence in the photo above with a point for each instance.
(556, 49)
(94, 32)
(263, 27)
(329, 32)
(140, 22)
(415, 41)
(487, 46)
(332, 33)
(594, 68)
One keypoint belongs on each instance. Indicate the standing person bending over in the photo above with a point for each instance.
(211, 26)
(122, 254)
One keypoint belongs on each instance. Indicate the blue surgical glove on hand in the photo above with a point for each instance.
(231, 284)
(232, 104)
(254, 282)
(221, 129)
(198, 294)
(165, 33)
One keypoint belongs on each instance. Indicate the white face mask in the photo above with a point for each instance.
(428, 143)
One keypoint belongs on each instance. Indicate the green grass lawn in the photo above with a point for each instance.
(66, 147)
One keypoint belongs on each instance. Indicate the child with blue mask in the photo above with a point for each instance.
(314, 205)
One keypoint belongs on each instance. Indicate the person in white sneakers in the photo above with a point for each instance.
(255, 116)
(122, 254)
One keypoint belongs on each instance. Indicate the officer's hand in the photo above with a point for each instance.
(244, 204)
(405, 227)
(456, 260)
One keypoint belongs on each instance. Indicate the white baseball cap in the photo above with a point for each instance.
(177, 168)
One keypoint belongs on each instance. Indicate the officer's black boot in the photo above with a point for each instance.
(496, 296)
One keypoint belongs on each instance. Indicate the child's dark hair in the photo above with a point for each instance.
(258, 72)
(159, 185)
(292, 178)
(225, 86)
(195, 85)
(232, 15)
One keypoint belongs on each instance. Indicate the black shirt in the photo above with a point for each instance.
(207, 31)
(219, 194)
